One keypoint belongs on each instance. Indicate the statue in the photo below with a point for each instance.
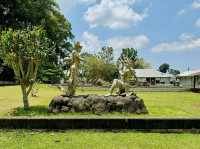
(97, 104)
(74, 61)
(126, 72)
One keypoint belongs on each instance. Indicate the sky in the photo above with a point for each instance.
(163, 31)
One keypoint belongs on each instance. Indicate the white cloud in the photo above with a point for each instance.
(119, 43)
(186, 42)
(197, 24)
(113, 14)
(181, 12)
(196, 4)
(93, 44)
(186, 36)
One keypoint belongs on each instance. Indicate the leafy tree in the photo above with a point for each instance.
(95, 68)
(106, 54)
(130, 55)
(22, 13)
(164, 68)
(136, 62)
(23, 50)
(141, 64)
(19, 14)
(174, 71)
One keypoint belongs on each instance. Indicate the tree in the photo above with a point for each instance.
(174, 71)
(130, 55)
(23, 50)
(106, 54)
(135, 61)
(50, 73)
(141, 64)
(19, 14)
(164, 68)
(95, 68)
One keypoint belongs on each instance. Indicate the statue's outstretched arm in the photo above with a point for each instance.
(67, 59)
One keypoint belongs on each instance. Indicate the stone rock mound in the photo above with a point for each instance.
(97, 104)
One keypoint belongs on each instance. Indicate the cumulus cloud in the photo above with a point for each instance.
(184, 43)
(119, 43)
(113, 14)
(93, 44)
(196, 4)
(186, 36)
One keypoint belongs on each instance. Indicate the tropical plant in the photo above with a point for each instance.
(23, 50)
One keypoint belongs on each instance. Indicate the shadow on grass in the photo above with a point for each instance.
(33, 111)
(42, 111)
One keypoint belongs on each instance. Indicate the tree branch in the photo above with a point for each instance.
(16, 71)
(35, 71)
(34, 75)
(29, 70)
(30, 88)
(21, 67)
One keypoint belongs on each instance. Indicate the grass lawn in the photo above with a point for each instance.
(159, 104)
(96, 140)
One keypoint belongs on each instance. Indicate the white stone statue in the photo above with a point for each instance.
(74, 61)
(126, 72)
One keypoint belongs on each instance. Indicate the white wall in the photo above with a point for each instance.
(166, 80)
(198, 82)
(187, 82)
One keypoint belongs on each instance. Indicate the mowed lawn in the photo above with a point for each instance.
(159, 104)
(96, 140)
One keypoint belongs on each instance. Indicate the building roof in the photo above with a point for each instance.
(151, 73)
(190, 73)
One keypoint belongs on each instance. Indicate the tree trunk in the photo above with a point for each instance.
(25, 98)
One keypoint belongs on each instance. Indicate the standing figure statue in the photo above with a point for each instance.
(126, 72)
(74, 62)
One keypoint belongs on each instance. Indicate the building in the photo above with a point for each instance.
(147, 77)
(190, 79)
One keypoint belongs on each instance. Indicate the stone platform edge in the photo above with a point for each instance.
(137, 124)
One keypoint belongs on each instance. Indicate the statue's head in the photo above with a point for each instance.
(78, 46)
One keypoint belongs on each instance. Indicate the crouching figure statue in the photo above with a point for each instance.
(125, 72)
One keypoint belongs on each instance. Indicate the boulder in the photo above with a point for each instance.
(98, 104)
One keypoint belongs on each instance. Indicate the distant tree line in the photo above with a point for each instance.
(165, 68)
(102, 66)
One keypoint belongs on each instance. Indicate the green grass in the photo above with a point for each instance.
(159, 104)
(96, 140)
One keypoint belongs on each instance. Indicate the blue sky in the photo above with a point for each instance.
(161, 30)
